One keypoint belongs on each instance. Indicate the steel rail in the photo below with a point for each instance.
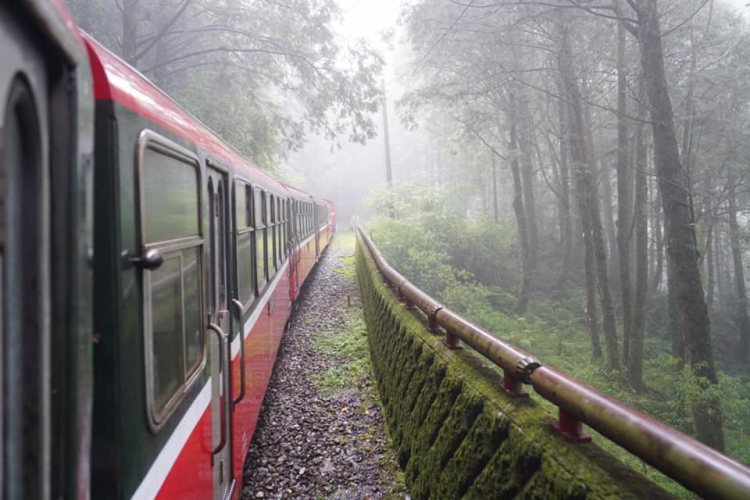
(696, 466)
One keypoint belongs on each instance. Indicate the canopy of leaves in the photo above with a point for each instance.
(261, 73)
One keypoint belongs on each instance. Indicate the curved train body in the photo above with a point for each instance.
(194, 257)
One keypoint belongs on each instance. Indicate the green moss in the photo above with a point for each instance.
(457, 434)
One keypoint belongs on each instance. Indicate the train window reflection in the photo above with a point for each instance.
(170, 196)
(242, 218)
(176, 339)
(245, 266)
(260, 247)
(192, 309)
(166, 331)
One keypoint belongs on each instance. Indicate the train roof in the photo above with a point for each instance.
(115, 80)
(298, 193)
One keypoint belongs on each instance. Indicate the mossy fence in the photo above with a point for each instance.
(457, 434)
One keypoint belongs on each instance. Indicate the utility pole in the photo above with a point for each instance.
(494, 187)
(386, 139)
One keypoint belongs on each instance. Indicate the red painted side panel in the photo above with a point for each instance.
(191, 476)
(261, 348)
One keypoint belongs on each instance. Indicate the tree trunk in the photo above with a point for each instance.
(635, 358)
(710, 285)
(624, 196)
(658, 249)
(518, 209)
(494, 189)
(567, 223)
(601, 175)
(587, 195)
(583, 157)
(739, 278)
(680, 232)
(527, 174)
(721, 282)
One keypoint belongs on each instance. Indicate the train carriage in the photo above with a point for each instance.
(191, 251)
(46, 141)
(194, 288)
(311, 229)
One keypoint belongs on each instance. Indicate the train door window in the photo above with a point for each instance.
(245, 233)
(260, 237)
(282, 224)
(170, 224)
(280, 229)
(309, 219)
(271, 231)
(240, 205)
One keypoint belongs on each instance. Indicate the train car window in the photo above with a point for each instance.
(245, 234)
(170, 223)
(260, 239)
(240, 205)
(245, 266)
(282, 225)
(279, 231)
(270, 231)
(170, 197)
(248, 205)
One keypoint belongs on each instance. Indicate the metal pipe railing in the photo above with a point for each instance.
(696, 466)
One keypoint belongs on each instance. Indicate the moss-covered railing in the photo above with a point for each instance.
(464, 431)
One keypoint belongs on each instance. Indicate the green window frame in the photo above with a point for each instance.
(170, 221)
(244, 242)
(261, 238)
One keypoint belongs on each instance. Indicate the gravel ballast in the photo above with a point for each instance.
(320, 432)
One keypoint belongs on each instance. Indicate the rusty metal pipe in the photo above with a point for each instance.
(692, 464)
(506, 356)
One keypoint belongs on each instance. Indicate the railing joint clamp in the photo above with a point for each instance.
(432, 324)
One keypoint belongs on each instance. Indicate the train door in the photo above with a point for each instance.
(219, 318)
(297, 250)
(25, 303)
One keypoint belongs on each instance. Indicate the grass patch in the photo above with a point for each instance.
(349, 344)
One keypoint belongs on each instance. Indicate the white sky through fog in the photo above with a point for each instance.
(740, 5)
(368, 18)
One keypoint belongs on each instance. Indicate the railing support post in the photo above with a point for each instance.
(570, 428)
(452, 342)
(432, 323)
(512, 386)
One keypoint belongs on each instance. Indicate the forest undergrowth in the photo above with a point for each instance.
(471, 265)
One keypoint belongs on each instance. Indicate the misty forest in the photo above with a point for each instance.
(572, 175)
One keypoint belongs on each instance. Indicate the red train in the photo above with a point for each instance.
(148, 273)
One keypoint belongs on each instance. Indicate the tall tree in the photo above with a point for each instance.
(624, 194)
(638, 324)
(680, 227)
(587, 193)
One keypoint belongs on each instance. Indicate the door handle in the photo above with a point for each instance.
(222, 338)
(241, 316)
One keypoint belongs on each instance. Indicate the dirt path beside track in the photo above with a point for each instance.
(321, 433)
